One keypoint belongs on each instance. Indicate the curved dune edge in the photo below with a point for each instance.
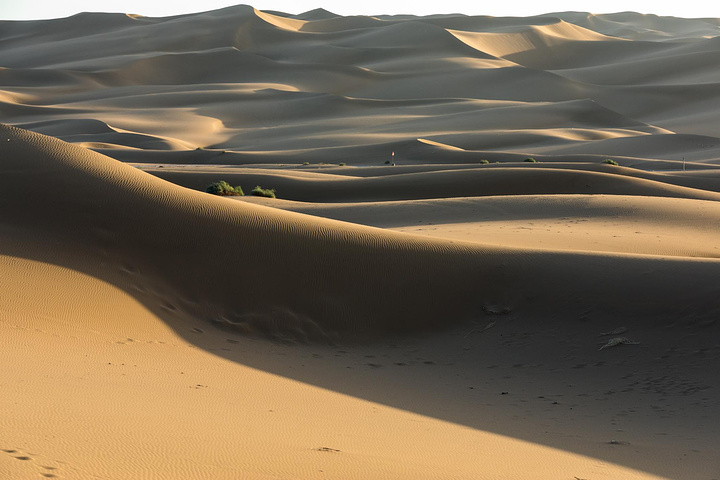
(126, 397)
(628, 224)
(332, 187)
(253, 268)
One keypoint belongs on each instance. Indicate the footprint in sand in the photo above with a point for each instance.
(19, 457)
(16, 454)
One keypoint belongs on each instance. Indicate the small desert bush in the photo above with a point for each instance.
(484, 162)
(258, 191)
(530, 160)
(610, 161)
(224, 188)
(342, 164)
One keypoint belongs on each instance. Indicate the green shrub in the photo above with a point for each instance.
(224, 188)
(484, 162)
(530, 160)
(610, 161)
(263, 192)
(306, 163)
(342, 164)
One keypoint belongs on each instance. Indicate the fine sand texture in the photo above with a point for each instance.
(494, 252)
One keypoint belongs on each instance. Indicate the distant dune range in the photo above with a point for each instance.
(416, 264)
(265, 84)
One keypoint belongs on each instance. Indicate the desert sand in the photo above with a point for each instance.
(421, 301)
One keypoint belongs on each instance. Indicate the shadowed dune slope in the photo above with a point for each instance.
(257, 268)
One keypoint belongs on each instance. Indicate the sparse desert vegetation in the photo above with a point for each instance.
(223, 188)
(258, 191)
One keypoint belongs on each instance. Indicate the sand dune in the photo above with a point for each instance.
(101, 216)
(605, 223)
(614, 60)
(419, 302)
(466, 182)
(509, 42)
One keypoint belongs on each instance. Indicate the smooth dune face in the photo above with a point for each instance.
(434, 307)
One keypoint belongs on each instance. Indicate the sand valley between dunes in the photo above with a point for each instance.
(494, 252)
